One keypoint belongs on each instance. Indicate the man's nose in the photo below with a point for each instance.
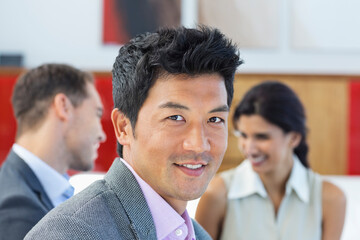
(196, 139)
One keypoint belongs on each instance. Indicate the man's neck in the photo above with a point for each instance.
(178, 205)
(44, 148)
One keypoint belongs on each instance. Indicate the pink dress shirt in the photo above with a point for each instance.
(168, 223)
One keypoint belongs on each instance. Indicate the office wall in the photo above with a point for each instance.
(331, 104)
(55, 31)
(71, 31)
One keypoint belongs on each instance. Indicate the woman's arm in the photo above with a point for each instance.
(211, 209)
(334, 207)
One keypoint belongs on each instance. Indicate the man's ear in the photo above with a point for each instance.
(122, 127)
(62, 106)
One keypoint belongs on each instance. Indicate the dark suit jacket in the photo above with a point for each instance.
(23, 201)
(113, 208)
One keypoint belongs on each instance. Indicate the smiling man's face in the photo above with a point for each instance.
(180, 135)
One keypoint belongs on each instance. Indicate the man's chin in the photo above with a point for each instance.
(189, 196)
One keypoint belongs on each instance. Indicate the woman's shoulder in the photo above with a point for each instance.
(211, 209)
(334, 208)
(216, 190)
(332, 194)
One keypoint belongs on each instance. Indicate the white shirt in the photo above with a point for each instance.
(250, 212)
(53, 182)
(253, 184)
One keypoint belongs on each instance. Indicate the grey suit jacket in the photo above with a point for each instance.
(23, 201)
(113, 208)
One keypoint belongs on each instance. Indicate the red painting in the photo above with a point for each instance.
(124, 19)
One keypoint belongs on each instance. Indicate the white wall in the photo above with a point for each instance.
(71, 31)
(68, 31)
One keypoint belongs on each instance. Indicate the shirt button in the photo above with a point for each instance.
(178, 232)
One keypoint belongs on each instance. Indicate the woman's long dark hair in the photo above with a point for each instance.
(279, 105)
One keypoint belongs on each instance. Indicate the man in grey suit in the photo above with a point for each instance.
(58, 113)
(172, 91)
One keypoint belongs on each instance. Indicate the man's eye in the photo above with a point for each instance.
(216, 120)
(176, 118)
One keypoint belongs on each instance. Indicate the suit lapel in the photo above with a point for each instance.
(128, 191)
(30, 178)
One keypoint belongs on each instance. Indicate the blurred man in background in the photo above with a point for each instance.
(58, 113)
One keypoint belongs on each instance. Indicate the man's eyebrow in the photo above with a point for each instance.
(224, 108)
(173, 105)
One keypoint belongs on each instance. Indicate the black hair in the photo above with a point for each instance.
(279, 105)
(169, 51)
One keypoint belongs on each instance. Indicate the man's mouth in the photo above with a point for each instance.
(191, 166)
(193, 170)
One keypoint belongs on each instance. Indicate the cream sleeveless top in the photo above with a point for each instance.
(250, 214)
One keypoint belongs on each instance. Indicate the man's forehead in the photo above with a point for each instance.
(189, 92)
(186, 80)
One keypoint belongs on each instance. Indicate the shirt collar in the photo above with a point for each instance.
(247, 182)
(166, 219)
(53, 182)
(298, 181)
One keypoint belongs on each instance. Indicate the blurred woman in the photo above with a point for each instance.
(273, 194)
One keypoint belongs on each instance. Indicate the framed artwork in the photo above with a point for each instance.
(249, 23)
(124, 19)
